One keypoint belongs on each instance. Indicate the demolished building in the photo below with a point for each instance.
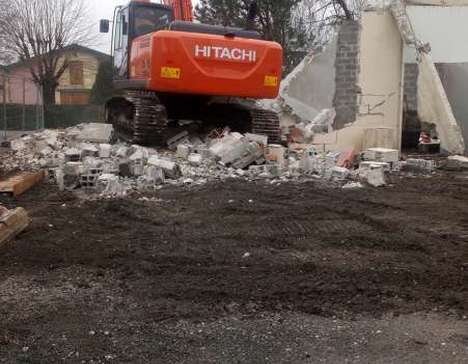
(380, 78)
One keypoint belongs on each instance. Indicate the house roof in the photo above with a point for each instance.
(71, 48)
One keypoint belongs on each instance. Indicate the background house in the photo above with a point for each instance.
(75, 85)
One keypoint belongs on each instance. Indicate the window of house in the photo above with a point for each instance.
(76, 73)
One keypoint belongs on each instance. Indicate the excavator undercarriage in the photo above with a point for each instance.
(141, 117)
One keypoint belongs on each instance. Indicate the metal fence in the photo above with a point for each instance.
(21, 107)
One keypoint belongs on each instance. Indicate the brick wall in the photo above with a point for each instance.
(347, 73)
(411, 86)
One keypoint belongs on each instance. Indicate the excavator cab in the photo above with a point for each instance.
(130, 22)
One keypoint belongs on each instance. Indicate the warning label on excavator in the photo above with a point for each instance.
(271, 81)
(170, 72)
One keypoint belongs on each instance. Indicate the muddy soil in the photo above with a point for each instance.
(241, 272)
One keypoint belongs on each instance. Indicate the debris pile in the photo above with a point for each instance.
(82, 158)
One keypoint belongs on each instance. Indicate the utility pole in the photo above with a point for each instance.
(4, 88)
(23, 121)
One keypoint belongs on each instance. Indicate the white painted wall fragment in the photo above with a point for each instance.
(310, 87)
(380, 81)
(435, 108)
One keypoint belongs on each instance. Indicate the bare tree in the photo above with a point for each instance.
(35, 31)
(5, 56)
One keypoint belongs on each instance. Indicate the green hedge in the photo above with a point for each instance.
(14, 117)
(63, 116)
(55, 116)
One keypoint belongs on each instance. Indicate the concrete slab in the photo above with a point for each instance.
(95, 133)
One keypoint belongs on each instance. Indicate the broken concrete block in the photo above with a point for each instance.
(72, 155)
(265, 171)
(51, 137)
(89, 181)
(418, 165)
(68, 182)
(229, 148)
(19, 144)
(373, 174)
(73, 169)
(122, 151)
(252, 153)
(183, 151)
(204, 151)
(111, 186)
(60, 179)
(255, 170)
(138, 155)
(294, 167)
(110, 167)
(376, 177)
(381, 155)
(170, 168)
(365, 166)
(95, 133)
(137, 167)
(273, 170)
(457, 163)
(310, 161)
(340, 173)
(154, 175)
(45, 152)
(257, 138)
(105, 150)
(195, 159)
(352, 185)
(276, 153)
(92, 163)
(89, 150)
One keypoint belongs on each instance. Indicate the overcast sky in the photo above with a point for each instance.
(104, 9)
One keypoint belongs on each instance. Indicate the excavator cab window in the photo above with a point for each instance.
(148, 19)
(121, 36)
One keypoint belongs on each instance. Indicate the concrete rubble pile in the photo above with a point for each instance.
(82, 158)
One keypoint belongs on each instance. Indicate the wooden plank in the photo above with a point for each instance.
(12, 223)
(22, 182)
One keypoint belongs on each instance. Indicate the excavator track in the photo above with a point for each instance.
(245, 116)
(140, 119)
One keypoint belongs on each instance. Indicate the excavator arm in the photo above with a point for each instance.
(183, 9)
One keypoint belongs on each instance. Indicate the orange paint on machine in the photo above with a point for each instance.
(207, 65)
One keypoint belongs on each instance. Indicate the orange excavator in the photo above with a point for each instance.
(169, 70)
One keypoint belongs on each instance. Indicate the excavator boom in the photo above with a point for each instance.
(183, 9)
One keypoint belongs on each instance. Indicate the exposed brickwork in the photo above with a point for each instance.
(411, 86)
(347, 73)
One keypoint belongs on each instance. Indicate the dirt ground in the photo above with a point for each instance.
(241, 272)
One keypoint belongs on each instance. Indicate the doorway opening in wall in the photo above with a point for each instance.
(411, 131)
(418, 136)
